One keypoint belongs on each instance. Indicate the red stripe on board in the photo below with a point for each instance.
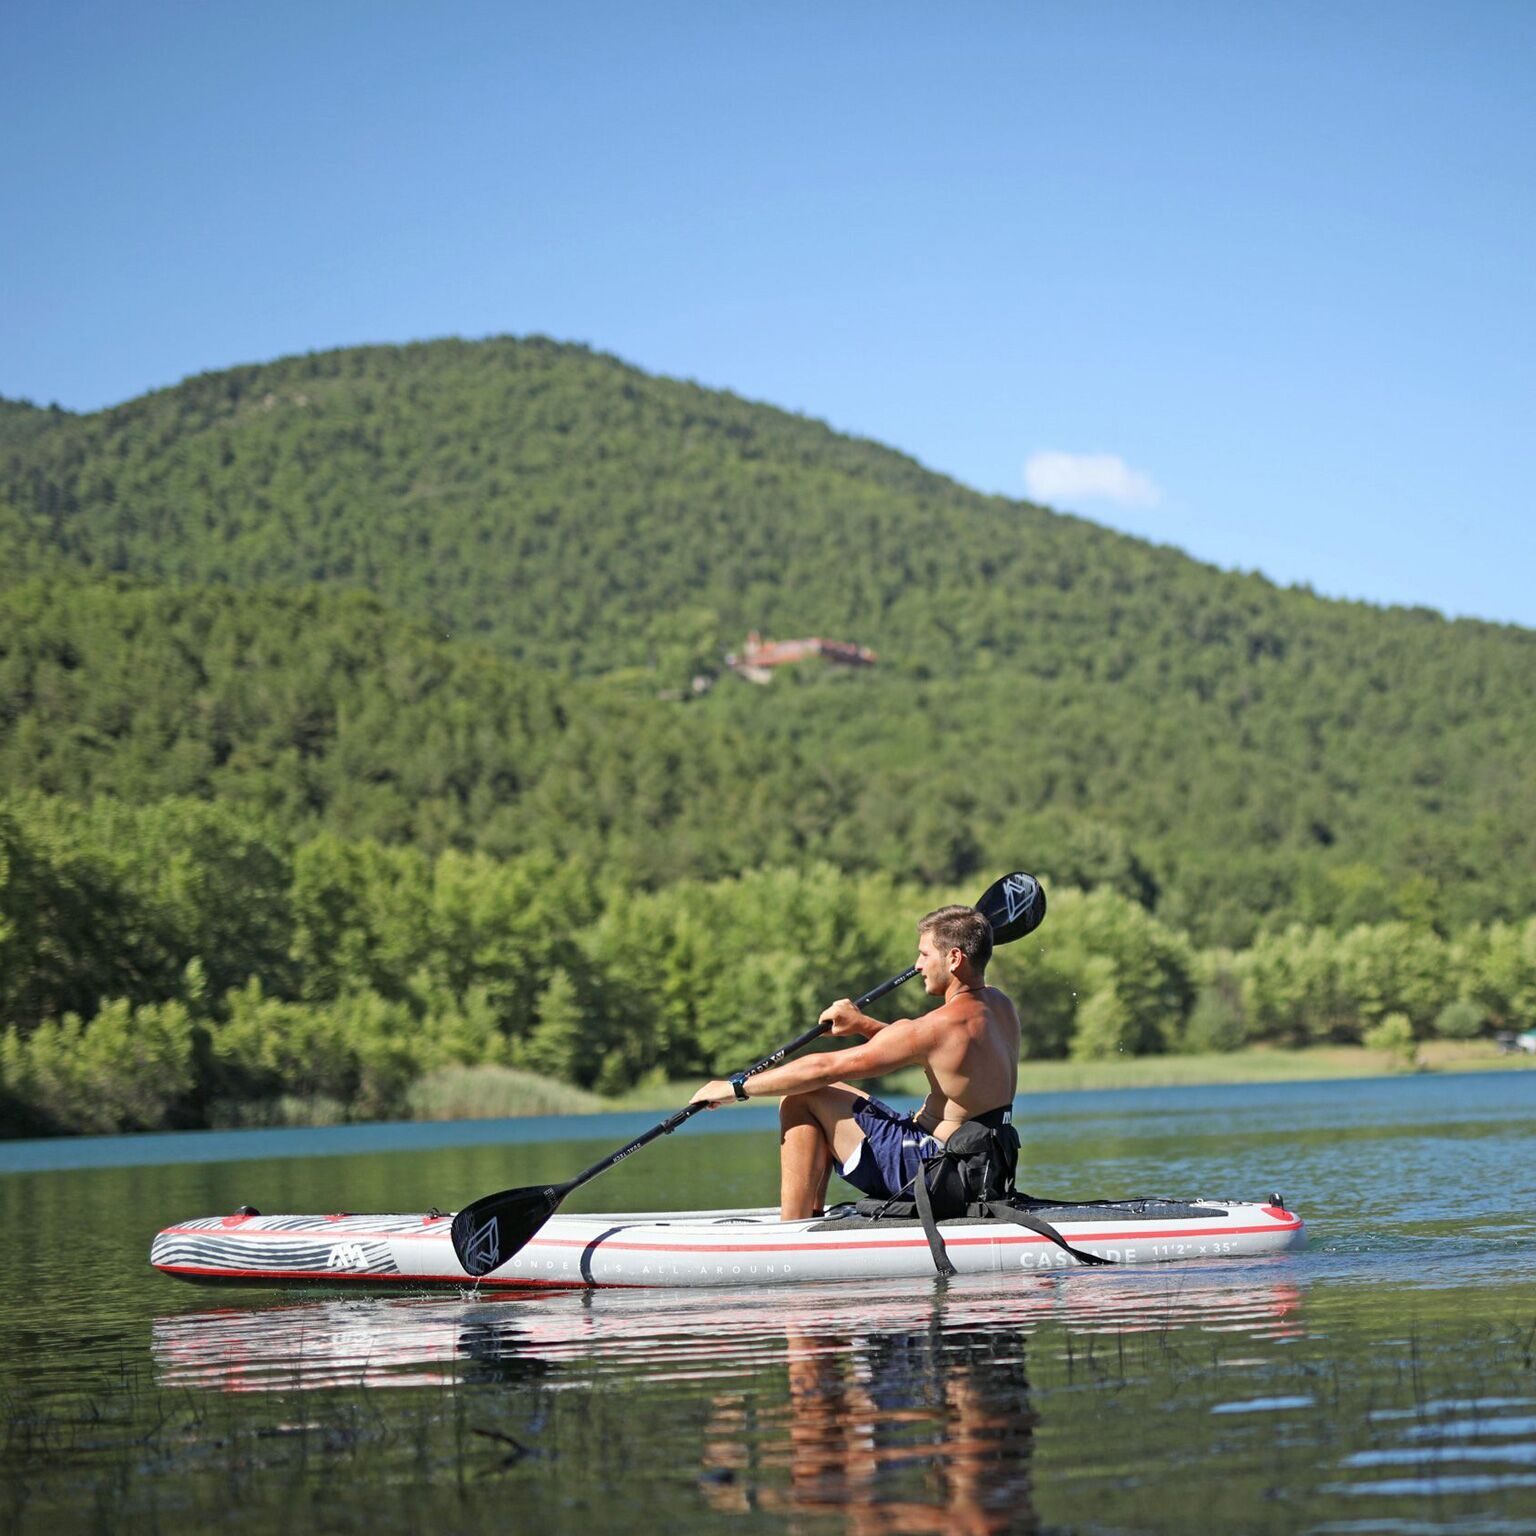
(950, 1241)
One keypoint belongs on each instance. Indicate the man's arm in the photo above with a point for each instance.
(902, 1044)
(845, 1019)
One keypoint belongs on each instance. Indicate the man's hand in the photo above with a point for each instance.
(715, 1094)
(845, 1019)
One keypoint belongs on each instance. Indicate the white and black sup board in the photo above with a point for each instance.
(707, 1248)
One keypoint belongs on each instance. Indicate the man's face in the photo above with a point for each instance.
(932, 965)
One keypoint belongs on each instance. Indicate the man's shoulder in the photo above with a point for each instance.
(999, 1002)
(985, 1002)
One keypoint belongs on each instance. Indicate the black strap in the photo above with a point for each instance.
(999, 1210)
(930, 1225)
(995, 1121)
(1003, 1211)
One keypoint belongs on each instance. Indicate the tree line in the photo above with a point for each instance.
(181, 964)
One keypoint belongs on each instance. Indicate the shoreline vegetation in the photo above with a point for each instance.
(1256, 1065)
(1259, 1064)
(496, 1093)
(166, 968)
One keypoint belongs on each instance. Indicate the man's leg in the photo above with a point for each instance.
(815, 1129)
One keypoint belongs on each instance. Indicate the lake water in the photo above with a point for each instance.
(1380, 1381)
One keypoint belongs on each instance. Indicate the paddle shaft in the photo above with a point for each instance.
(670, 1124)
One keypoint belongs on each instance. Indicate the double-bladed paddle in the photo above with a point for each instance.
(488, 1232)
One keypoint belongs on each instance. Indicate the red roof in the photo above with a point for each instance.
(778, 653)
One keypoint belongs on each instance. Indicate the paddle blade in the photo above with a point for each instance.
(1014, 905)
(488, 1233)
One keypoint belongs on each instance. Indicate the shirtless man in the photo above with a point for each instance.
(968, 1046)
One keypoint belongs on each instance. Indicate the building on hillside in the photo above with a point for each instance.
(759, 657)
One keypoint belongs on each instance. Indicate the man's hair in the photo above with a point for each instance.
(962, 928)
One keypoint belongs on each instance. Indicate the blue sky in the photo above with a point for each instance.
(1255, 280)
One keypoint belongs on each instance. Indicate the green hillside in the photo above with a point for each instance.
(325, 710)
(549, 533)
(564, 507)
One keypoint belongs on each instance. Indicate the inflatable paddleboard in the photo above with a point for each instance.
(708, 1248)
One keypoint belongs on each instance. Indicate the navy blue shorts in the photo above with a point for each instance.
(894, 1146)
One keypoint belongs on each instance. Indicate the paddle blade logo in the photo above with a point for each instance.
(482, 1253)
(1019, 894)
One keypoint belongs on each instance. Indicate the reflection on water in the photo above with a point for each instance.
(904, 1409)
(657, 1337)
(922, 1431)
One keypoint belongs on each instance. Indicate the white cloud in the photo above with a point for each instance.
(1077, 477)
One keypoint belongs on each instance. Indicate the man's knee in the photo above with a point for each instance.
(831, 1111)
(797, 1109)
(837, 1098)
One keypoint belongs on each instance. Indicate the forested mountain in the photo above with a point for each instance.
(316, 709)
(552, 539)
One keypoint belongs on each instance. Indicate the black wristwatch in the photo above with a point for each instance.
(739, 1085)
